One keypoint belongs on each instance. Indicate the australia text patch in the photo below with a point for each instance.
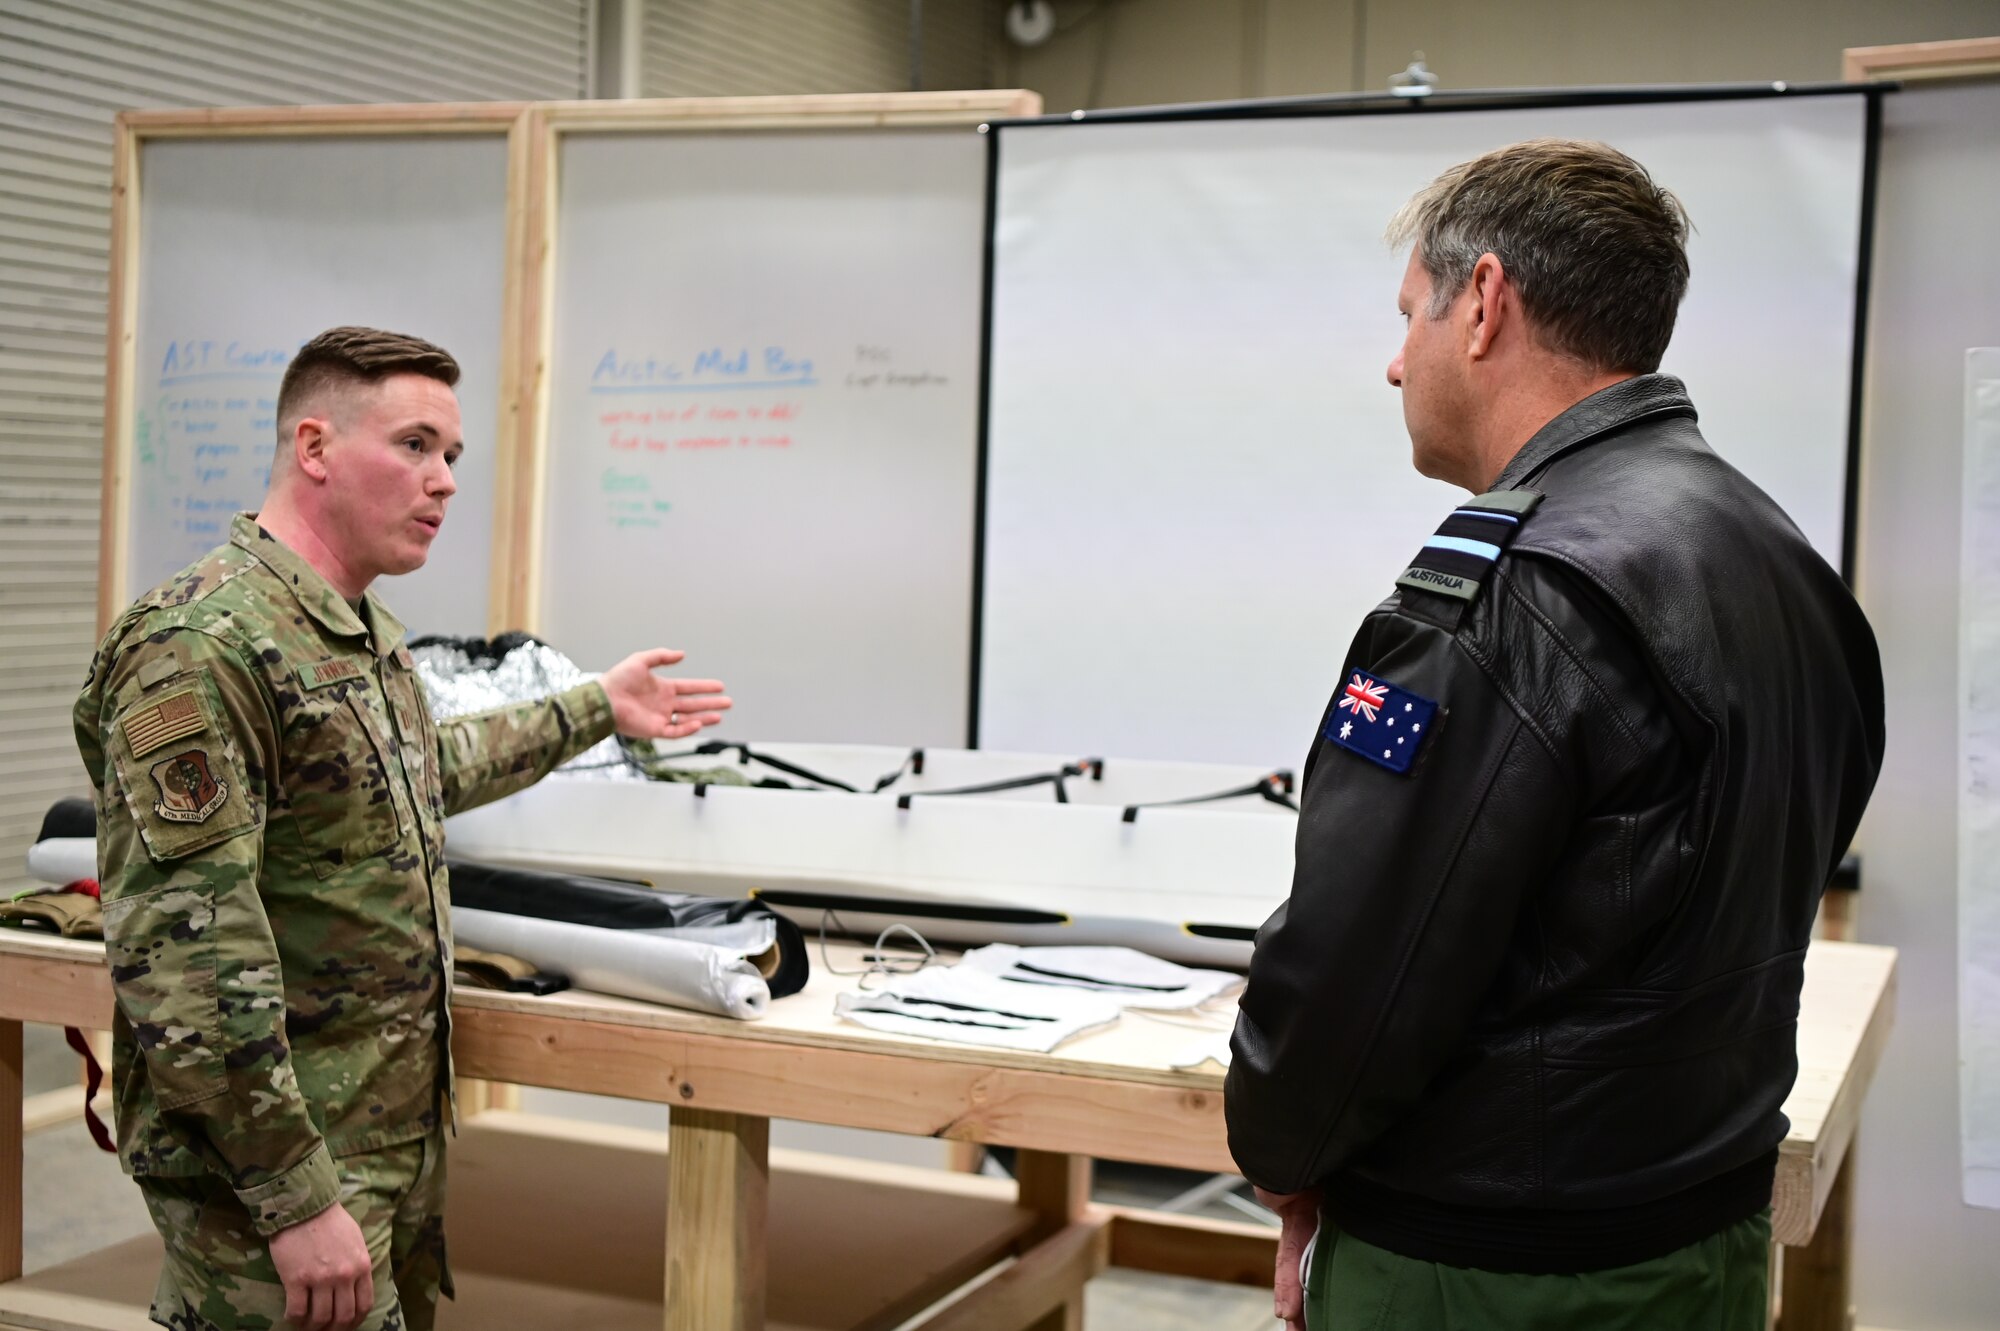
(1384, 724)
(1455, 562)
(189, 792)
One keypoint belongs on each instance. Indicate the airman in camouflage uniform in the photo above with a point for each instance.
(271, 792)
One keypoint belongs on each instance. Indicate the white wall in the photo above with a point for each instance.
(1925, 1261)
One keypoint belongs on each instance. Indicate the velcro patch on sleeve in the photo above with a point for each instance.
(159, 670)
(322, 673)
(1382, 723)
(178, 769)
(1456, 561)
(155, 725)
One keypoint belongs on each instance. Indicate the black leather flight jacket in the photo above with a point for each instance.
(1531, 1004)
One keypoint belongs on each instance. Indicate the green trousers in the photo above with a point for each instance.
(1719, 1284)
(218, 1274)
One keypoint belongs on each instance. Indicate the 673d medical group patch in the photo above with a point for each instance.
(189, 792)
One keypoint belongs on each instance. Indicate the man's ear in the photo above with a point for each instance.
(309, 440)
(1489, 306)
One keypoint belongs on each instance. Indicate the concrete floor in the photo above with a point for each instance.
(76, 1200)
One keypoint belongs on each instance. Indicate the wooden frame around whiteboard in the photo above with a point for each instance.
(514, 591)
(133, 130)
(518, 527)
(1970, 57)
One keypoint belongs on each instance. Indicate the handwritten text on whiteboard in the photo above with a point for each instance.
(708, 369)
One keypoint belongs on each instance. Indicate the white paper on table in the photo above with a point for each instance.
(1133, 978)
(1212, 1048)
(1979, 785)
(965, 1007)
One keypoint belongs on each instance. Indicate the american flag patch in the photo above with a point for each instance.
(173, 717)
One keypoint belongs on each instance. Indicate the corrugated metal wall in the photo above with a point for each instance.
(66, 67)
(715, 48)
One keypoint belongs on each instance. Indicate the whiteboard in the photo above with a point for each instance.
(247, 249)
(1199, 480)
(763, 419)
(1979, 784)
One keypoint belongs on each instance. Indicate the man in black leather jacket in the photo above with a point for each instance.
(1529, 1012)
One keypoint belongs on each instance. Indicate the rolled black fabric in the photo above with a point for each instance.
(572, 898)
(485, 653)
(610, 904)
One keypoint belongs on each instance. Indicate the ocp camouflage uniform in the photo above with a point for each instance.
(272, 793)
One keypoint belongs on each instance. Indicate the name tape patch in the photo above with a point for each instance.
(159, 724)
(322, 673)
(1455, 562)
(1384, 724)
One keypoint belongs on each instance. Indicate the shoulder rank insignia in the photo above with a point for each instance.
(1455, 562)
(1384, 724)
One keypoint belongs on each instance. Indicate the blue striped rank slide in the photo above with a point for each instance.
(1455, 562)
(1384, 724)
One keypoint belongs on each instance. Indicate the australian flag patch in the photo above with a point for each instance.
(1384, 724)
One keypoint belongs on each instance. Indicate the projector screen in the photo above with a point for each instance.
(1198, 480)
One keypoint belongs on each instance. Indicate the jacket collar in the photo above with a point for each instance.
(1601, 413)
(315, 593)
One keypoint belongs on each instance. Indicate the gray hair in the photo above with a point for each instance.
(1596, 249)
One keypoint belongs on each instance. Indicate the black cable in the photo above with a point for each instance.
(912, 764)
(746, 755)
(1275, 787)
(1092, 767)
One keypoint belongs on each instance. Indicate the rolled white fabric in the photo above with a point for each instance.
(632, 963)
(62, 860)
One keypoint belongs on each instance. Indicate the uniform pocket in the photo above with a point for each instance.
(161, 949)
(418, 747)
(336, 781)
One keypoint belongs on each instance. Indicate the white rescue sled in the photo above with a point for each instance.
(1115, 864)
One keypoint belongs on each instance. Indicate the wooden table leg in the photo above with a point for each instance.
(1774, 1275)
(1818, 1285)
(472, 1097)
(1057, 1189)
(10, 1150)
(718, 1188)
(476, 1097)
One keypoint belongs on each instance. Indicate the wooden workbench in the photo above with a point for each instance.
(901, 1239)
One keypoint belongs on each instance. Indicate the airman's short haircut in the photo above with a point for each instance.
(1597, 250)
(340, 357)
